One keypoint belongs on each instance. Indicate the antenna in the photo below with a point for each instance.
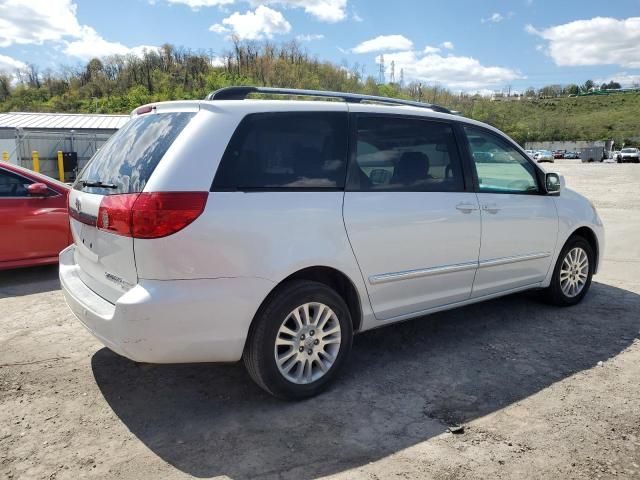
(392, 78)
(381, 73)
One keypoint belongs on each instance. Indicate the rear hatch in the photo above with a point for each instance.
(108, 192)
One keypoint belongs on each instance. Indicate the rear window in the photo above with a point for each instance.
(127, 160)
(286, 151)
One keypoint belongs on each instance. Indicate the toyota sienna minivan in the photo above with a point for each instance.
(274, 230)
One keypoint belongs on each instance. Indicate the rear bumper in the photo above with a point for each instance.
(168, 321)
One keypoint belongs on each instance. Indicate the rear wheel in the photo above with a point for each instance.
(299, 340)
(572, 274)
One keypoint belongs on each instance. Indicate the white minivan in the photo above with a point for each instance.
(273, 230)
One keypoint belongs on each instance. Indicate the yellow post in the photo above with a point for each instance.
(36, 161)
(60, 166)
(5, 156)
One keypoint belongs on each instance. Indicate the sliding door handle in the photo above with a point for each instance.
(467, 207)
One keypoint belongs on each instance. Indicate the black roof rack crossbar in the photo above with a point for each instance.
(240, 93)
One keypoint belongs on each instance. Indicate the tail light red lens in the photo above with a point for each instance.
(160, 214)
(150, 215)
(114, 214)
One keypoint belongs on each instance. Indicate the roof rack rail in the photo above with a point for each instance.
(240, 93)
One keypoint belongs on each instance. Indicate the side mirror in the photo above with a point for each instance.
(38, 190)
(552, 183)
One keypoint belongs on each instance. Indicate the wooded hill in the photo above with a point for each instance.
(119, 84)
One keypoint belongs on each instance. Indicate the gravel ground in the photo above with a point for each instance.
(541, 392)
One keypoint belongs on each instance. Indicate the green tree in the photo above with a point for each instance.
(588, 85)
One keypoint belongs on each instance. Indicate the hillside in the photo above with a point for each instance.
(569, 118)
(119, 84)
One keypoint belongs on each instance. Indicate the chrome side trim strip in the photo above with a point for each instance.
(421, 272)
(458, 267)
(517, 258)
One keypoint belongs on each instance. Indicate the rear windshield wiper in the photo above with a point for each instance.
(86, 183)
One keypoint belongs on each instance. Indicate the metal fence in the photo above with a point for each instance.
(47, 144)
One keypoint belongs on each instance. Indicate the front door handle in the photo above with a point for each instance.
(467, 207)
(491, 207)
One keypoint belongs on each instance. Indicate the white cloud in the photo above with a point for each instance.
(383, 43)
(623, 78)
(263, 23)
(598, 41)
(323, 10)
(430, 49)
(91, 44)
(196, 4)
(494, 18)
(218, 61)
(9, 65)
(447, 45)
(39, 21)
(36, 21)
(455, 72)
(309, 38)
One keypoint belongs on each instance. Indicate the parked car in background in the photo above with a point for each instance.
(558, 154)
(630, 155)
(531, 153)
(571, 155)
(34, 223)
(615, 155)
(543, 156)
(301, 223)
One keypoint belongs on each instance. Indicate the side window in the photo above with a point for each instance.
(500, 167)
(289, 150)
(405, 154)
(13, 185)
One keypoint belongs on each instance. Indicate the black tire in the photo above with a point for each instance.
(553, 293)
(259, 356)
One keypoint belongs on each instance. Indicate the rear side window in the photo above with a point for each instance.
(286, 151)
(405, 154)
(126, 162)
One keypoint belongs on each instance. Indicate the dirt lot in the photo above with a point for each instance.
(542, 392)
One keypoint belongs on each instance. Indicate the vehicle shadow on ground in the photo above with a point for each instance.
(27, 281)
(403, 385)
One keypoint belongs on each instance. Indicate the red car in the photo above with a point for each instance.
(34, 224)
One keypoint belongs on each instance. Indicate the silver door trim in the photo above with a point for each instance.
(494, 262)
(458, 267)
(421, 272)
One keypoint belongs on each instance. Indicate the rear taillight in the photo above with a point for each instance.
(114, 214)
(150, 215)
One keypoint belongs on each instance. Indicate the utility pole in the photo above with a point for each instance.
(402, 78)
(392, 78)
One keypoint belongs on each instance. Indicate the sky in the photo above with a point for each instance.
(463, 45)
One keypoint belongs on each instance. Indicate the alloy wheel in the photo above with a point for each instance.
(307, 343)
(574, 272)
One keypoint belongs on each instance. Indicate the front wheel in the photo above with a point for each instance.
(300, 339)
(572, 274)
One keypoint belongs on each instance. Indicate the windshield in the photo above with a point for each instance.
(628, 150)
(125, 163)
